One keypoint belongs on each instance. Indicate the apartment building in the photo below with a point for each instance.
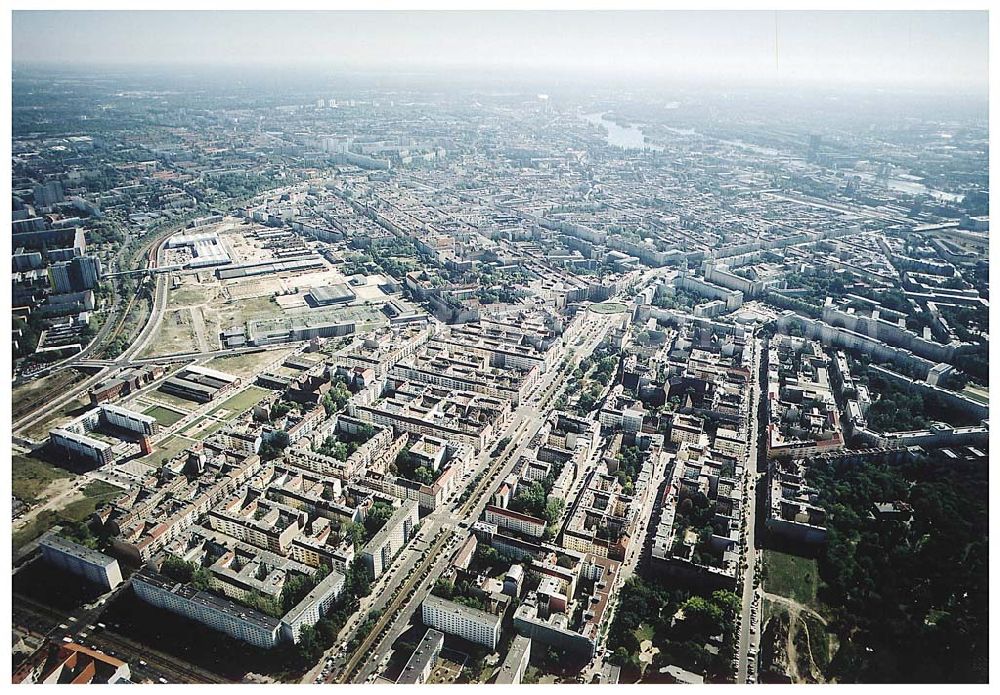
(479, 627)
(94, 566)
(235, 620)
(515, 521)
(378, 553)
(420, 664)
(94, 450)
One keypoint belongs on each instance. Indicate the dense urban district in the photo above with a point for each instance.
(416, 383)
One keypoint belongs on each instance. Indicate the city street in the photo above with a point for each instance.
(749, 637)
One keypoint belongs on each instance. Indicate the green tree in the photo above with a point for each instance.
(376, 517)
(309, 648)
(177, 569)
(297, 587)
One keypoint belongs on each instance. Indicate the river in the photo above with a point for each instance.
(630, 138)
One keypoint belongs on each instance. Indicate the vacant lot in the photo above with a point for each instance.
(790, 576)
(192, 294)
(94, 494)
(34, 393)
(57, 418)
(175, 334)
(240, 402)
(241, 311)
(30, 477)
(248, 364)
(91, 496)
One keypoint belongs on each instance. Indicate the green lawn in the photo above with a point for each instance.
(790, 576)
(203, 428)
(241, 401)
(165, 416)
(30, 477)
(166, 449)
(188, 428)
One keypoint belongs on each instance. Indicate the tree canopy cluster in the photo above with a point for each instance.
(910, 597)
(901, 407)
(340, 446)
(533, 499)
(630, 461)
(679, 624)
(408, 466)
(376, 517)
(336, 398)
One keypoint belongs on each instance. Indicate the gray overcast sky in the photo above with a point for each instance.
(929, 48)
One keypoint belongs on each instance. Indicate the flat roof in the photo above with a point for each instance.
(80, 438)
(210, 601)
(520, 644)
(425, 653)
(471, 613)
(379, 539)
(503, 511)
(130, 414)
(82, 552)
(333, 582)
(332, 293)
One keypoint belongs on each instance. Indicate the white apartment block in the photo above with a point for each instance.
(77, 559)
(380, 550)
(470, 624)
(515, 521)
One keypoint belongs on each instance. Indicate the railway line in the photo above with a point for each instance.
(109, 642)
(374, 637)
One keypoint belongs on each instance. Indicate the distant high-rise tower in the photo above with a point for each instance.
(76, 275)
(815, 143)
(48, 193)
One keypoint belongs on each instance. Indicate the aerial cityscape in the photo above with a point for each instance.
(326, 375)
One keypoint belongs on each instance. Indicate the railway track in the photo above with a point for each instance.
(175, 671)
(133, 652)
(151, 253)
(374, 637)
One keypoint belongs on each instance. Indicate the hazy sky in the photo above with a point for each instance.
(881, 48)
